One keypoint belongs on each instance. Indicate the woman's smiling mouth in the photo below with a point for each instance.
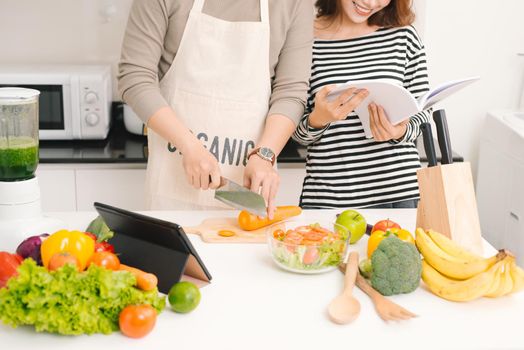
(362, 11)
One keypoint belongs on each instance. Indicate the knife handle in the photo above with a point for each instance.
(223, 181)
(439, 117)
(429, 145)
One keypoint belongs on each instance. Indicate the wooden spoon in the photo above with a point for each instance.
(345, 308)
(386, 309)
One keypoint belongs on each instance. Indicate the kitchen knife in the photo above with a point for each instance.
(439, 117)
(429, 145)
(240, 197)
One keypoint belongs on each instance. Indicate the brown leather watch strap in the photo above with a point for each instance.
(255, 151)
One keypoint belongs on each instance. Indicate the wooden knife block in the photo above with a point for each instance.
(448, 205)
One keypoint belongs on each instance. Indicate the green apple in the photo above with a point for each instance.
(354, 222)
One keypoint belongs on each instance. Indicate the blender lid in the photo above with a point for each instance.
(16, 95)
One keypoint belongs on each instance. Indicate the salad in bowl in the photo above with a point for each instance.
(308, 247)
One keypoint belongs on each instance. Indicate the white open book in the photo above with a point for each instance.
(398, 103)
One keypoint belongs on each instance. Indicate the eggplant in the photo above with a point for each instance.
(30, 248)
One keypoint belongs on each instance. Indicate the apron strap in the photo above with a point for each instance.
(264, 11)
(198, 5)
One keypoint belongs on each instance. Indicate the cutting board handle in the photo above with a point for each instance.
(192, 230)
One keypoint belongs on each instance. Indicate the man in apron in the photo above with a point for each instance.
(215, 118)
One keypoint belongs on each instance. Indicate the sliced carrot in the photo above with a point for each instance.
(226, 233)
(145, 281)
(250, 222)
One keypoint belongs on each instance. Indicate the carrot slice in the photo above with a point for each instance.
(226, 233)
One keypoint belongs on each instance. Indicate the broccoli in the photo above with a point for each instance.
(396, 267)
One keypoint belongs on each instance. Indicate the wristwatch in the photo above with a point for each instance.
(265, 153)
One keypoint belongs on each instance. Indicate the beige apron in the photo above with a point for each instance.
(219, 86)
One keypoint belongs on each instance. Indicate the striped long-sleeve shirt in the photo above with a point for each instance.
(343, 167)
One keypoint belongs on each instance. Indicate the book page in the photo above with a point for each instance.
(398, 103)
(442, 91)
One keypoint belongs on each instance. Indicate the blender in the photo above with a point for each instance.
(20, 209)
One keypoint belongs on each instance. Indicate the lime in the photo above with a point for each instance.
(184, 297)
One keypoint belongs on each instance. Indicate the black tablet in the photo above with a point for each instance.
(153, 245)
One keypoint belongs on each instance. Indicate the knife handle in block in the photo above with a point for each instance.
(439, 117)
(429, 145)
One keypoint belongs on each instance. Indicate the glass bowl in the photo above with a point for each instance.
(308, 246)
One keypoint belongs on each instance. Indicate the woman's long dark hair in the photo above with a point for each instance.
(398, 13)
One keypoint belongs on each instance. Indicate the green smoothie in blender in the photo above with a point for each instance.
(18, 158)
(18, 134)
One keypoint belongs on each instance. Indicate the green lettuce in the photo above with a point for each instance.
(70, 302)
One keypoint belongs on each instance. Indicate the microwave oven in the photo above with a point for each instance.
(75, 100)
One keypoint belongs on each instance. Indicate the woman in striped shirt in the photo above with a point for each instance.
(355, 40)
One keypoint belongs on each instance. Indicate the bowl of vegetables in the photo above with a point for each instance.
(308, 247)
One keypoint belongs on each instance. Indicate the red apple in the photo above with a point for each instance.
(384, 225)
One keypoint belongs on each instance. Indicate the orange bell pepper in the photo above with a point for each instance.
(76, 243)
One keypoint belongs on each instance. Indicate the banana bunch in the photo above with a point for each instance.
(453, 273)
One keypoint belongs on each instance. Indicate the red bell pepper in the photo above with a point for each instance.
(8, 266)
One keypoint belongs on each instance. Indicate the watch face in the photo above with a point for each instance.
(266, 152)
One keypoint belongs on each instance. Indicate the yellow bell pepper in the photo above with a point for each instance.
(75, 243)
(378, 235)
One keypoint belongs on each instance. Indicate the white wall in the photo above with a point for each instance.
(463, 38)
(62, 31)
(475, 37)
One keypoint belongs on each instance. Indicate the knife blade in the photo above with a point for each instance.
(429, 145)
(239, 197)
(439, 117)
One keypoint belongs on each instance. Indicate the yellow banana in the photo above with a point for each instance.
(451, 247)
(452, 266)
(506, 282)
(517, 275)
(455, 290)
(497, 280)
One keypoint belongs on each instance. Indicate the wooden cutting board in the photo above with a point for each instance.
(208, 231)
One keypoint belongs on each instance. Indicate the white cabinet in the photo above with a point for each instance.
(123, 188)
(57, 187)
(74, 187)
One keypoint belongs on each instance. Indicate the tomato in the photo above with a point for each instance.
(325, 231)
(383, 225)
(106, 259)
(314, 236)
(377, 237)
(74, 242)
(293, 237)
(60, 259)
(136, 321)
(279, 234)
(104, 247)
(8, 266)
(310, 256)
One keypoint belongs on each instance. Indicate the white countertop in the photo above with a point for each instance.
(252, 304)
